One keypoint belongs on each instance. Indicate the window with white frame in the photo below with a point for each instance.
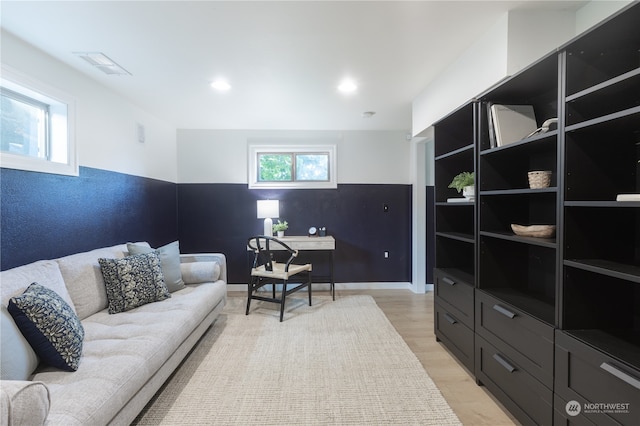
(36, 128)
(292, 166)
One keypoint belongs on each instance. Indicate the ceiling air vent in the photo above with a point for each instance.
(102, 62)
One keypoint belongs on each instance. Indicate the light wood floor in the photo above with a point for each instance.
(412, 316)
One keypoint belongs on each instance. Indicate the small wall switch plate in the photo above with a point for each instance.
(386, 254)
(141, 137)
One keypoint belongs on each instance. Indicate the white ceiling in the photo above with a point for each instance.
(283, 59)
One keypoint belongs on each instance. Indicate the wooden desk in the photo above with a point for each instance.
(305, 243)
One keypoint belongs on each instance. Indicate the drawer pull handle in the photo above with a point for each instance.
(451, 319)
(448, 281)
(504, 311)
(625, 377)
(503, 362)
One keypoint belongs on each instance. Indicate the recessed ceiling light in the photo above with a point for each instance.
(347, 86)
(103, 63)
(221, 85)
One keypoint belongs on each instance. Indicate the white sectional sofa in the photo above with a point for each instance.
(126, 357)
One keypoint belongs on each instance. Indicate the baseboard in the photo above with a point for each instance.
(346, 286)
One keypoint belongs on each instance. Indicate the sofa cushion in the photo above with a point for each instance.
(133, 281)
(122, 352)
(45, 272)
(50, 326)
(81, 273)
(17, 358)
(169, 262)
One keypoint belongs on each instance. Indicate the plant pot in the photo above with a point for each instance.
(469, 192)
(280, 234)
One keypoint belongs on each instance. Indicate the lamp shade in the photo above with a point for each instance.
(268, 209)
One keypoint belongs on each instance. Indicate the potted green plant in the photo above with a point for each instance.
(464, 182)
(280, 227)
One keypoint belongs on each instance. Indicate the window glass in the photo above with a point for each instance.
(36, 123)
(292, 166)
(275, 167)
(312, 167)
(24, 125)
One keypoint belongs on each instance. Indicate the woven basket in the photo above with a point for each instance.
(539, 179)
(539, 231)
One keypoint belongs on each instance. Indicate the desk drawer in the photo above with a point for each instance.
(525, 397)
(456, 336)
(587, 375)
(507, 327)
(457, 292)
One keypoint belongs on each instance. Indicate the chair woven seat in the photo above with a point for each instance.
(279, 270)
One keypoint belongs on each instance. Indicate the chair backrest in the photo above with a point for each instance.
(263, 246)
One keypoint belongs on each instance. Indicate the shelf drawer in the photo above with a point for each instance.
(457, 292)
(522, 394)
(456, 336)
(589, 376)
(507, 327)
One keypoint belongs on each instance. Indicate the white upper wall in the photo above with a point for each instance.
(220, 156)
(515, 41)
(595, 11)
(106, 123)
(478, 68)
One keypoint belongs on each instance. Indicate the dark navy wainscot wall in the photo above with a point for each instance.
(45, 216)
(221, 217)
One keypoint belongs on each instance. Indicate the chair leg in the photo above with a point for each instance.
(249, 293)
(309, 286)
(283, 296)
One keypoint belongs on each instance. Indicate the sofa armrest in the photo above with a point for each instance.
(219, 258)
(24, 402)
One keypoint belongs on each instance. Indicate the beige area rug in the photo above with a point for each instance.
(336, 363)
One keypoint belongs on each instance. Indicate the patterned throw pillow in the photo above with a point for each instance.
(50, 326)
(133, 281)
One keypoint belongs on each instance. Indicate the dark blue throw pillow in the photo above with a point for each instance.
(50, 325)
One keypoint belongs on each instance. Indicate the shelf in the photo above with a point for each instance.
(456, 204)
(612, 204)
(459, 236)
(607, 267)
(532, 303)
(620, 80)
(538, 139)
(519, 191)
(617, 94)
(455, 152)
(621, 343)
(542, 242)
(627, 114)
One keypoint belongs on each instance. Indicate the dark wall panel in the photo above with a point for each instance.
(220, 217)
(46, 216)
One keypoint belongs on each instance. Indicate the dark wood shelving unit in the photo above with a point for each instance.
(545, 321)
(455, 264)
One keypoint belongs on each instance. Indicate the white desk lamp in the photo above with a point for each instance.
(268, 209)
